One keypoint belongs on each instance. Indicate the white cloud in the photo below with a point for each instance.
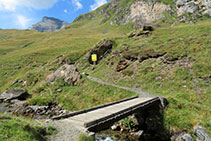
(77, 4)
(97, 4)
(12, 5)
(65, 11)
(22, 21)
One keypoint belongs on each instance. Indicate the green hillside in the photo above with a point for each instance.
(173, 62)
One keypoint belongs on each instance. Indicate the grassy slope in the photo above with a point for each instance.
(16, 129)
(185, 81)
(33, 54)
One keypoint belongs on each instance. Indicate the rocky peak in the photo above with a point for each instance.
(49, 24)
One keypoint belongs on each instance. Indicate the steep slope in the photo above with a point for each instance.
(49, 24)
(170, 61)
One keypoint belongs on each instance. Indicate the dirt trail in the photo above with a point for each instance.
(137, 90)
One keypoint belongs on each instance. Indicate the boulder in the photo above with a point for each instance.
(14, 93)
(101, 49)
(201, 133)
(67, 72)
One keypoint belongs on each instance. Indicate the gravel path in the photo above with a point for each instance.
(66, 131)
(137, 90)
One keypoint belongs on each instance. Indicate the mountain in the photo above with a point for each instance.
(49, 24)
(140, 13)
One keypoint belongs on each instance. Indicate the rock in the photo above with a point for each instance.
(139, 133)
(101, 49)
(146, 12)
(132, 34)
(193, 6)
(123, 64)
(182, 137)
(201, 133)
(146, 31)
(14, 93)
(14, 82)
(59, 90)
(116, 126)
(69, 73)
(49, 24)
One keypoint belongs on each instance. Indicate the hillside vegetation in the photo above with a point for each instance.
(17, 129)
(171, 61)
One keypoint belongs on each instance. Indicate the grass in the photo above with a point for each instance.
(89, 94)
(83, 137)
(173, 62)
(17, 129)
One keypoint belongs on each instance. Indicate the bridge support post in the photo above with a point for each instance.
(151, 121)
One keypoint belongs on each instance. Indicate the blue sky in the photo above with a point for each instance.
(21, 14)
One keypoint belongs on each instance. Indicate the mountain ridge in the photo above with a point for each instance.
(49, 24)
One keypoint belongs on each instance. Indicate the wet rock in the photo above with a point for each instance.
(69, 73)
(14, 93)
(123, 64)
(182, 137)
(102, 48)
(201, 134)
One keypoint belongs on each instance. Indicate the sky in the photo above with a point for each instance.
(22, 14)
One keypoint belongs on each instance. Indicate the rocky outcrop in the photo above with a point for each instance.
(201, 134)
(123, 64)
(67, 72)
(191, 6)
(137, 13)
(49, 24)
(147, 12)
(14, 93)
(102, 48)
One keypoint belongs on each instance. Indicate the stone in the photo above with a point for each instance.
(14, 93)
(201, 133)
(182, 137)
(59, 90)
(68, 73)
(102, 48)
(116, 126)
(123, 64)
(132, 34)
(139, 133)
(14, 82)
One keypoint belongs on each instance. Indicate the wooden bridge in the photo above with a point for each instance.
(101, 117)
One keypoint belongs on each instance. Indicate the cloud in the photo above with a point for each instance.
(22, 21)
(12, 5)
(65, 11)
(77, 4)
(97, 4)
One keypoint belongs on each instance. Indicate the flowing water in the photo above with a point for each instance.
(109, 135)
